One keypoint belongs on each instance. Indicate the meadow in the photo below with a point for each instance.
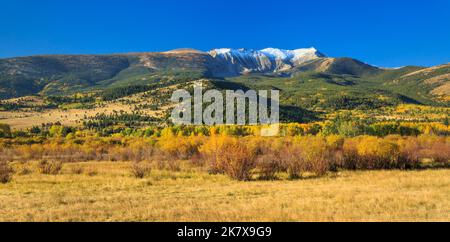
(108, 191)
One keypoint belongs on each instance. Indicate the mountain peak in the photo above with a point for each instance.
(292, 56)
(265, 60)
(295, 55)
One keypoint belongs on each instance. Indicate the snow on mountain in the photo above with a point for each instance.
(292, 55)
(266, 60)
(277, 53)
(238, 55)
(271, 53)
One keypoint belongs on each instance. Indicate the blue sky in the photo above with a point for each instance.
(383, 33)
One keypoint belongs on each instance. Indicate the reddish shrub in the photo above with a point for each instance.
(6, 172)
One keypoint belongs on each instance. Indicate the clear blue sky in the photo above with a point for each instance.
(383, 33)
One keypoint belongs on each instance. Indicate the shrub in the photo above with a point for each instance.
(211, 152)
(160, 163)
(6, 154)
(173, 165)
(50, 167)
(350, 159)
(179, 147)
(267, 151)
(77, 170)
(335, 142)
(268, 165)
(120, 154)
(140, 151)
(5, 130)
(140, 169)
(6, 172)
(316, 156)
(30, 152)
(290, 158)
(25, 171)
(378, 153)
(237, 160)
(308, 155)
(230, 156)
(409, 157)
(440, 153)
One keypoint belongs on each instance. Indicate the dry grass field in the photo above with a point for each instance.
(107, 191)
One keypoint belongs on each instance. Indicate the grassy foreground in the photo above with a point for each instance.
(111, 193)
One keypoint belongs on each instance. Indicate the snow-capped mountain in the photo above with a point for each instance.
(294, 56)
(266, 60)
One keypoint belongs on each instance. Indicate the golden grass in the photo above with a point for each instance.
(113, 194)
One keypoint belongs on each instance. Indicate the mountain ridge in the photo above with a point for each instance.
(65, 74)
